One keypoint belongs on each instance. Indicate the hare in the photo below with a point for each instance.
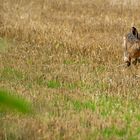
(132, 47)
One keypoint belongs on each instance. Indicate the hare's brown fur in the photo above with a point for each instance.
(131, 47)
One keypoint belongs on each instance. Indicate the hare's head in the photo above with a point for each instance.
(134, 32)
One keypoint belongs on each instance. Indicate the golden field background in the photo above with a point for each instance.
(63, 56)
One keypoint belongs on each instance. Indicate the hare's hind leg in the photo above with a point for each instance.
(138, 60)
(127, 59)
(134, 62)
(128, 63)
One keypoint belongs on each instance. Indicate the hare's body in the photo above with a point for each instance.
(131, 47)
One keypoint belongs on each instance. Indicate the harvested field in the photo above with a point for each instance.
(63, 57)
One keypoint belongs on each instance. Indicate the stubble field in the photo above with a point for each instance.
(63, 57)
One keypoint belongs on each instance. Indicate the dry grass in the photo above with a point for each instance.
(63, 57)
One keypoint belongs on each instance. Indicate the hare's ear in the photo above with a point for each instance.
(134, 31)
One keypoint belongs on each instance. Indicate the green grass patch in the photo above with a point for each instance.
(11, 101)
(109, 105)
(58, 84)
(108, 132)
(138, 117)
(83, 105)
(120, 132)
(138, 131)
(53, 84)
(113, 131)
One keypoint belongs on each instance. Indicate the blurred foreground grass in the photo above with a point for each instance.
(13, 102)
